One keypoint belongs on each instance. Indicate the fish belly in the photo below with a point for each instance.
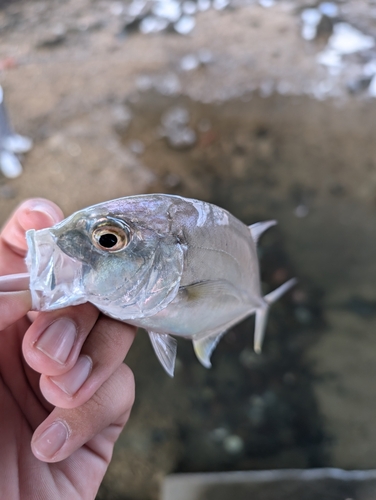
(200, 310)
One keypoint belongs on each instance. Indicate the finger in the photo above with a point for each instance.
(65, 431)
(13, 306)
(14, 282)
(53, 342)
(35, 213)
(101, 355)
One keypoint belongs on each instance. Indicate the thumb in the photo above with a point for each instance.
(36, 213)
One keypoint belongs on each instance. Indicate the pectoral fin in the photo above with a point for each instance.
(218, 292)
(205, 347)
(165, 348)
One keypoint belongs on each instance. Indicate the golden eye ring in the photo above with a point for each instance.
(110, 238)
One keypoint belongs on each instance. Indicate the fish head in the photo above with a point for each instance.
(122, 256)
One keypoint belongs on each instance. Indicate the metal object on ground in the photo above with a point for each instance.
(289, 484)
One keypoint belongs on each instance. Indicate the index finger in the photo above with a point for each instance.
(36, 213)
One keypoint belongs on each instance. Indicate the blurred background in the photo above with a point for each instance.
(266, 108)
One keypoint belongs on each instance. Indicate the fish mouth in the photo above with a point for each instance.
(56, 280)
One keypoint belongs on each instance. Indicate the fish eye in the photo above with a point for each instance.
(110, 238)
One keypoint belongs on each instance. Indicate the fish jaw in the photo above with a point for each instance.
(56, 280)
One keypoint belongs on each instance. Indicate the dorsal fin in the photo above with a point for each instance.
(259, 228)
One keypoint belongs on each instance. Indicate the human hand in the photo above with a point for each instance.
(71, 397)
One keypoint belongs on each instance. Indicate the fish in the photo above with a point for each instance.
(177, 267)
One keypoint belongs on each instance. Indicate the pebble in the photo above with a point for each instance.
(153, 24)
(136, 7)
(256, 411)
(266, 88)
(203, 5)
(189, 7)
(185, 25)
(17, 143)
(168, 84)
(303, 315)
(144, 83)
(189, 62)
(301, 211)
(116, 8)
(310, 19)
(233, 444)
(137, 147)
(221, 4)
(175, 117)
(192, 61)
(369, 69)
(205, 56)
(181, 139)
(10, 165)
(248, 358)
(372, 87)
(330, 58)
(175, 128)
(122, 117)
(266, 3)
(347, 40)
(219, 434)
(167, 9)
(329, 9)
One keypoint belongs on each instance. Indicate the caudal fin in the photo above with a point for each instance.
(262, 312)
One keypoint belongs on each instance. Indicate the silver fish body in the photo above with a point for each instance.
(172, 265)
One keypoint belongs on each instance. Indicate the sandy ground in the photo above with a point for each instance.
(271, 142)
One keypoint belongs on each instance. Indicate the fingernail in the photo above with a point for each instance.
(58, 339)
(30, 216)
(51, 440)
(71, 381)
(45, 209)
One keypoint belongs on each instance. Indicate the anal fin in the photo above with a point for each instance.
(204, 348)
(165, 348)
(260, 325)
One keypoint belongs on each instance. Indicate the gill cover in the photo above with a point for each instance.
(60, 280)
(153, 287)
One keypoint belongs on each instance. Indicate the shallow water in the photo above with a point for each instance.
(311, 166)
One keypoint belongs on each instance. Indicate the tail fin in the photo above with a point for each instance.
(262, 312)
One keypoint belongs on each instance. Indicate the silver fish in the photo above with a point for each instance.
(172, 265)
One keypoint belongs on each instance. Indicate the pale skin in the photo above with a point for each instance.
(65, 395)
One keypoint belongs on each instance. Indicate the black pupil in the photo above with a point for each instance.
(108, 240)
